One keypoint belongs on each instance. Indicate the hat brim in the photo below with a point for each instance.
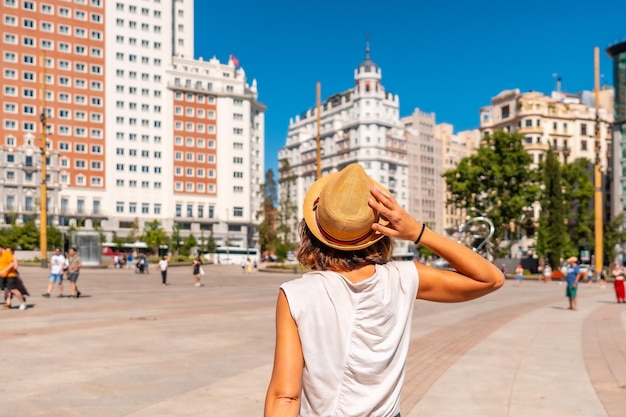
(309, 215)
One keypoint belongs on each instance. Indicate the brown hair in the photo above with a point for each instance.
(314, 254)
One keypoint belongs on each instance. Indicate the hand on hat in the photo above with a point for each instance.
(401, 224)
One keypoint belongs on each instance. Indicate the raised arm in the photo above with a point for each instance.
(474, 276)
(284, 391)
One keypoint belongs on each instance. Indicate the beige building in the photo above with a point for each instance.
(454, 148)
(425, 185)
(566, 121)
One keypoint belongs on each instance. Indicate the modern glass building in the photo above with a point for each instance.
(618, 53)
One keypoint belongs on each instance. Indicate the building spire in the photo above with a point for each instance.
(367, 45)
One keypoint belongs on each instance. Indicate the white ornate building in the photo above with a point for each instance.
(360, 125)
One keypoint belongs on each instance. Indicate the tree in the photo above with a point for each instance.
(614, 236)
(287, 209)
(578, 194)
(133, 234)
(552, 237)
(54, 237)
(211, 245)
(496, 182)
(189, 243)
(175, 238)
(154, 235)
(26, 236)
(267, 211)
(119, 242)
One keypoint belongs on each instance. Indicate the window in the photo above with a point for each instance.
(506, 112)
(237, 211)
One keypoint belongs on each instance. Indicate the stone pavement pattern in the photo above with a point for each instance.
(132, 347)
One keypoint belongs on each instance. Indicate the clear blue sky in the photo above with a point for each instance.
(447, 57)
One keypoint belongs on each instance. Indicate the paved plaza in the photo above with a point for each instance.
(133, 347)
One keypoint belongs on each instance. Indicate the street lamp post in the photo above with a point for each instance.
(43, 224)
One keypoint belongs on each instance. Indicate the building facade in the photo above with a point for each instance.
(425, 184)
(618, 164)
(360, 125)
(561, 120)
(134, 129)
(565, 122)
(455, 147)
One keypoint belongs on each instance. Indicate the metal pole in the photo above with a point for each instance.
(598, 237)
(43, 240)
(319, 139)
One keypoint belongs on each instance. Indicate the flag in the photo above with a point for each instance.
(234, 59)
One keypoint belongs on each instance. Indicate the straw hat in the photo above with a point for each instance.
(336, 209)
(572, 259)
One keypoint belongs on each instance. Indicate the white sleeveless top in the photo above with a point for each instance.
(355, 339)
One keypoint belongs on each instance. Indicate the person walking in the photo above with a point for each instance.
(573, 275)
(343, 329)
(163, 267)
(547, 273)
(619, 274)
(19, 283)
(8, 277)
(73, 271)
(519, 274)
(197, 270)
(57, 265)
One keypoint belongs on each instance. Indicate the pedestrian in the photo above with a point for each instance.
(19, 283)
(343, 329)
(197, 270)
(547, 273)
(503, 269)
(73, 271)
(619, 274)
(243, 265)
(248, 265)
(8, 277)
(163, 268)
(519, 274)
(57, 267)
(572, 275)
(602, 278)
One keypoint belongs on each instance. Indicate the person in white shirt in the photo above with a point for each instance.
(163, 268)
(343, 329)
(58, 263)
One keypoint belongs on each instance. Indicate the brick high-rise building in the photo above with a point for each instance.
(136, 129)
